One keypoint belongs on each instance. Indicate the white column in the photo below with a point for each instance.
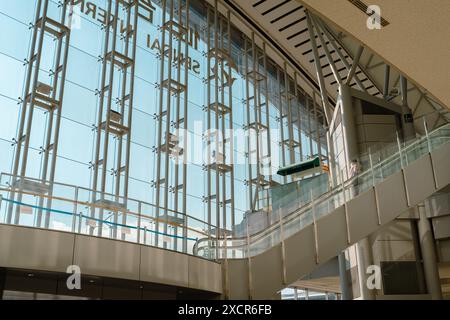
(344, 278)
(427, 246)
(364, 257)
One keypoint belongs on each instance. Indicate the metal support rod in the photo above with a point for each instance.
(337, 48)
(289, 115)
(230, 99)
(387, 75)
(169, 111)
(300, 126)
(281, 118)
(185, 125)
(356, 59)
(325, 49)
(162, 112)
(216, 114)
(363, 69)
(247, 103)
(114, 121)
(267, 103)
(52, 104)
(323, 90)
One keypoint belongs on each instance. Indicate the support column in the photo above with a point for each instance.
(427, 245)
(387, 75)
(418, 255)
(364, 251)
(365, 259)
(407, 116)
(348, 122)
(2, 282)
(344, 278)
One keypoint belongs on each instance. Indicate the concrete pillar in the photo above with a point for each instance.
(418, 255)
(427, 245)
(387, 74)
(2, 282)
(364, 251)
(348, 123)
(409, 132)
(365, 259)
(344, 279)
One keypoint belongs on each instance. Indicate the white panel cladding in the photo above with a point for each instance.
(362, 215)
(380, 132)
(441, 166)
(419, 180)
(391, 197)
(441, 227)
(267, 273)
(238, 279)
(300, 254)
(204, 275)
(331, 234)
(46, 250)
(35, 249)
(438, 205)
(105, 257)
(393, 242)
(162, 266)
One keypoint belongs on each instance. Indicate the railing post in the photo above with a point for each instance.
(1, 200)
(283, 251)
(145, 235)
(80, 220)
(343, 187)
(316, 243)
(400, 151)
(371, 167)
(217, 242)
(75, 207)
(250, 282)
(425, 126)
(139, 222)
(225, 246)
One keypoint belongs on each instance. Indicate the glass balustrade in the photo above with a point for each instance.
(382, 164)
(81, 211)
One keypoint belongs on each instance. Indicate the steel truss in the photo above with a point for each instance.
(219, 143)
(170, 180)
(45, 95)
(113, 128)
(257, 102)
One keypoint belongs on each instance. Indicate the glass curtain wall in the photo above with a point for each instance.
(235, 84)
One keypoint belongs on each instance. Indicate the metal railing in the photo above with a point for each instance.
(72, 209)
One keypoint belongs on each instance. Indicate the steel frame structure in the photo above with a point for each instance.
(113, 128)
(219, 142)
(44, 96)
(172, 119)
(257, 102)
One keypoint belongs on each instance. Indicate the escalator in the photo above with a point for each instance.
(260, 265)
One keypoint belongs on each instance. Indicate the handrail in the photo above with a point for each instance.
(128, 200)
(96, 219)
(401, 154)
(93, 205)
